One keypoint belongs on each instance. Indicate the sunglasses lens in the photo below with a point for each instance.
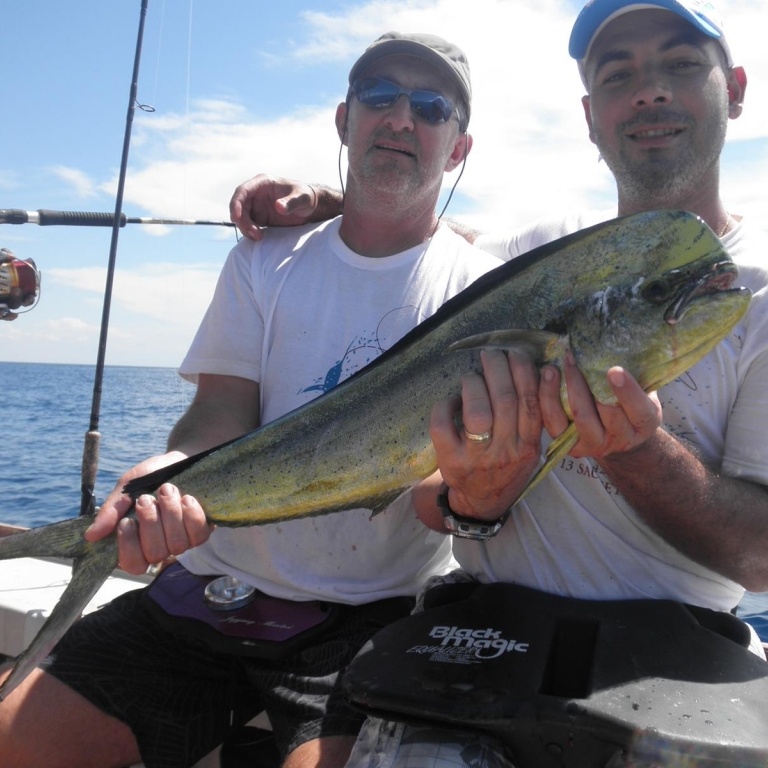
(431, 107)
(378, 93)
(375, 92)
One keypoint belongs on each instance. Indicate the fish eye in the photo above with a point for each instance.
(656, 291)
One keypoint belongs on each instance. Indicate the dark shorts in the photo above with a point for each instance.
(181, 699)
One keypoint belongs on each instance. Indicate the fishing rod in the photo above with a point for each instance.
(93, 437)
(20, 278)
(46, 218)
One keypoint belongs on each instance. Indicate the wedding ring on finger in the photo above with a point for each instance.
(478, 437)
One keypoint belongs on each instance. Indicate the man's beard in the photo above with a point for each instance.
(662, 178)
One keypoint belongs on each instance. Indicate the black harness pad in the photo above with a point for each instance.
(566, 682)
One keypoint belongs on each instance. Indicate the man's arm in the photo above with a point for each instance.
(167, 523)
(271, 201)
(224, 407)
(265, 201)
(716, 520)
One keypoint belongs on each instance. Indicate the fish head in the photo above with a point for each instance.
(660, 316)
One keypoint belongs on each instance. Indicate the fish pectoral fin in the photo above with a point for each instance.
(560, 446)
(89, 572)
(539, 346)
(557, 449)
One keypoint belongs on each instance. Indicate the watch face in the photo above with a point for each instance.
(478, 531)
(466, 527)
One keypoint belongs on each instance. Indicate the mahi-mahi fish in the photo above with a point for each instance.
(652, 292)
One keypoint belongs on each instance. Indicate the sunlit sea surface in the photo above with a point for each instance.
(46, 414)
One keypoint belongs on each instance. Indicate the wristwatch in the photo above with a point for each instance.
(468, 527)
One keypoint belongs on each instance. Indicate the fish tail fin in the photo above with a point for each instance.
(558, 448)
(62, 539)
(89, 571)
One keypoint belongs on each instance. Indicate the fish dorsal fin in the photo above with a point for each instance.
(150, 482)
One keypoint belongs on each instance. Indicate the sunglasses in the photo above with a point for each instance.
(378, 93)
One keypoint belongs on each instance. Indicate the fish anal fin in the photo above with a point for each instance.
(378, 504)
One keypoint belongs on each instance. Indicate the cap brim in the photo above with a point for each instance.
(409, 48)
(596, 15)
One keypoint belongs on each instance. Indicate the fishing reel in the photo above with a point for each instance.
(19, 284)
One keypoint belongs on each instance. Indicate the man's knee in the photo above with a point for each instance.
(45, 722)
(326, 752)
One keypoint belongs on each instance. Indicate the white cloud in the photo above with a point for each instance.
(37, 337)
(531, 156)
(155, 311)
(189, 168)
(745, 24)
(84, 186)
(159, 291)
(531, 149)
(71, 330)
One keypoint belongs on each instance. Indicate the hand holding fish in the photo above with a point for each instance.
(486, 477)
(603, 429)
(168, 522)
(162, 525)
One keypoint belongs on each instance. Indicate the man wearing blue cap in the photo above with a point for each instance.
(597, 14)
(677, 510)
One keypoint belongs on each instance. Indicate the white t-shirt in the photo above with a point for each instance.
(299, 312)
(575, 534)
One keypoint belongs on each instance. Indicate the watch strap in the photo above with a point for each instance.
(468, 527)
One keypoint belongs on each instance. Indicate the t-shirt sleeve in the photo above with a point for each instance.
(229, 339)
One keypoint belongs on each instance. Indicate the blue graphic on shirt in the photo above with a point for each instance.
(365, 349)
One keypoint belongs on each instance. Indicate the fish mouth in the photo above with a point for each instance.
(718, 280)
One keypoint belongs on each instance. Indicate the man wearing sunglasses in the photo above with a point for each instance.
(292, 316)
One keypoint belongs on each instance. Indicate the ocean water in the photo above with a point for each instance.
(45, 418)
(46, 414)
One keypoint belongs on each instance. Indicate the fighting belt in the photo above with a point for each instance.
(264, 627)
(566, 682)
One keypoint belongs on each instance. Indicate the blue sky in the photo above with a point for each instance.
(241, 86)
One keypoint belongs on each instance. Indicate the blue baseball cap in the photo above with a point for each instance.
(597, 13)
